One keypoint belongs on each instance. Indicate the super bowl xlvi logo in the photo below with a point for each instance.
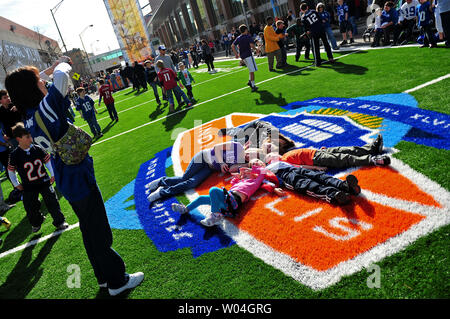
(313, 242)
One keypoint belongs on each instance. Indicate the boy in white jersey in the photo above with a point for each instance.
(407, 20)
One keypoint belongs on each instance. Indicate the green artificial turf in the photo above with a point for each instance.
(419, 271)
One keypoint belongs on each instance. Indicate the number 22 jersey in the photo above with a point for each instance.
(30, 165)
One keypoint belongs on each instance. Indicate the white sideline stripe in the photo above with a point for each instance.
(428, 83)
(37, 241)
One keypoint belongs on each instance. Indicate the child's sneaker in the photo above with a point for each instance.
(352, 41)
(171, 108)
(343, 43)
(5, 207)
(181, 104)
(213, 219)
(189, 105)
(381, 160)
(134, 281)
(6, 222)
(154, 185)
(340, 198)
(254, 89)
(155, 195)
(377, 145)
(352, 184)
(180, 208)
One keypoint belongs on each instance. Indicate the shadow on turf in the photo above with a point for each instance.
(266, 97)
(108, 127)
(344, 68)
(158, 111)
(174, 119)
(27, 272)
(16, 235)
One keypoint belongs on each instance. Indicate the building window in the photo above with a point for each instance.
(236, 7)
(218, 16)
(174, 25)
(201, 9)
(183, 24)
(172, 31)
(191, 18)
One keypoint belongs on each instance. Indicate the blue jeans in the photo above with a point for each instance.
(176, 90)
(331, 37)
(197, 171)
(352, 21)
(216, 199)
(107, 264)
(186, 63)
(155, 90)
(93, 125)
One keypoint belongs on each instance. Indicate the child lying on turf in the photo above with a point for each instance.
(314, 183)
(226, 203)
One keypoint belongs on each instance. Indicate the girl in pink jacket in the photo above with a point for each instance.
(225, 203)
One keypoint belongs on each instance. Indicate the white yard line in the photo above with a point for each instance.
(37, 241)
(428, 83)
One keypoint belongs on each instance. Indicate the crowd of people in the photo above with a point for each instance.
(414, 16)
(35, 109)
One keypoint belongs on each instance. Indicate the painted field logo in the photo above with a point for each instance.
(314, 242)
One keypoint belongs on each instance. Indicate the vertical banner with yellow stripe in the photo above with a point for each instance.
(129, 27)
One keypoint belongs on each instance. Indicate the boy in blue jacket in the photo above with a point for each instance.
(86, 106)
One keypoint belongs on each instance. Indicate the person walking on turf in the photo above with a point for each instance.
(245, 44)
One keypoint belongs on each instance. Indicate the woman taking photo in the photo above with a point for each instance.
(27, 89)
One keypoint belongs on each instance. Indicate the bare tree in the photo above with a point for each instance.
(47, 52)
(6, 60)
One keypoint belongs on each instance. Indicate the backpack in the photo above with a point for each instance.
(73, 146)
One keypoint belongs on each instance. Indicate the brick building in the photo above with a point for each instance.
(21, 46)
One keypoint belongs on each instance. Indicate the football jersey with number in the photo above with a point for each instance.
(105, 92)
(30, 165)
(313, 22)
(341, 11)
(74, 181)
(408, 10)
(168, 78)
(424, 14)
(86, 106)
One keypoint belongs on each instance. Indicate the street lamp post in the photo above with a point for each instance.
(51, 11)
(89, 26)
